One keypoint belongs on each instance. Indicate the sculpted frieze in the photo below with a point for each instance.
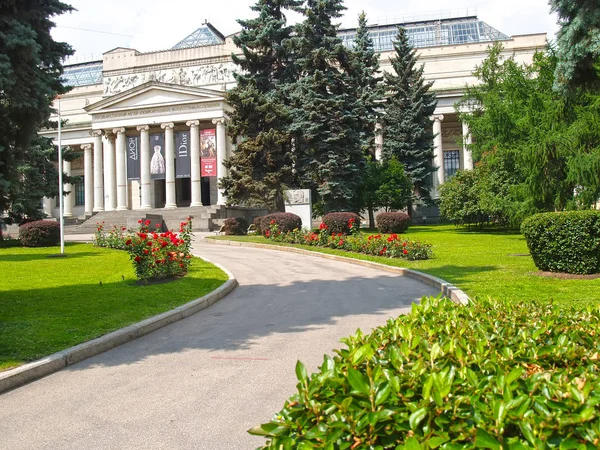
(155, 111)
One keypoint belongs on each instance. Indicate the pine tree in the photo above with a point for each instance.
(30, 79)
(578, 44)
(407, 130)
(261, 167)
(325, 111)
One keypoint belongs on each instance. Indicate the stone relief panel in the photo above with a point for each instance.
(189, 76)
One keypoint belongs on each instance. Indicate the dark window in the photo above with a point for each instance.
(451, 163)
(79, 193)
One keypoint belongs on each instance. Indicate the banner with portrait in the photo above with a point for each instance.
(133, 158)
(157, 162)
(183, 161)
(208, 153)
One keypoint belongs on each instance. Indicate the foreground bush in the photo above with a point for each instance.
(392, 222)
(41, 233)
(564, 242)
(235, 226)
(284, 221)
(257, 223)
(342, 222)
(489, 375)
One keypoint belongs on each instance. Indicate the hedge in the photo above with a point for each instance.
(565, 241)
(339, 222)
(237, 226)
(488, 375)
(285, 221)
(392, 222)
(257, 223)
(41, 233)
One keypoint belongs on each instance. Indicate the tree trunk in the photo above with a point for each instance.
(371, 217)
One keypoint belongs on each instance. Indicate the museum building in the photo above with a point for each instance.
(152, 126)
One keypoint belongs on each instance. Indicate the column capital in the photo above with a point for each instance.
(96, 133)
(118, 131)
(192, 123)
(86, 147)
(168, 125)
(438, 118)
(218, 120)
(143, 128)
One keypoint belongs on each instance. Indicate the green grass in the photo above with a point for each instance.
(482, 264)
(49, 304)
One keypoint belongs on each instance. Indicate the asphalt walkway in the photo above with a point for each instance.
(202, 382)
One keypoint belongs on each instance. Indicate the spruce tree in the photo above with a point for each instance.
(30, 79)
(260, 169)
(407, 129)
(325, 111)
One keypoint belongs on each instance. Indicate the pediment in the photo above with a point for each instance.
(153, 94)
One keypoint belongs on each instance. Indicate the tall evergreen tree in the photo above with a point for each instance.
(261, 167)
(325, 110)
(578, 43)
(30, 79)
(407, 130)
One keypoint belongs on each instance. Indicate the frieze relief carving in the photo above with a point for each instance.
(451, 133)
(155, 111)
(187, 76)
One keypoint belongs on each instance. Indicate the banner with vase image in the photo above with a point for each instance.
(208, 153)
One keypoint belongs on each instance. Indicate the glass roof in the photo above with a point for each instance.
(83, 74)
(429, 34)
(205, 35)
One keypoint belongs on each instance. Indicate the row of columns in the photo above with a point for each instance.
(438, 149)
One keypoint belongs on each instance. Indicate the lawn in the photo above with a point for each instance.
(49, 304)
(483, 264)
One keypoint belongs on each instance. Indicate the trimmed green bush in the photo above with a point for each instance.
(565, 241)
(235, 226)
(340, 222)
(285, 222)
(41, 233)
(392, 222)
(491, 375)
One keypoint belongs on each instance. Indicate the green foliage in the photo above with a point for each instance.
(342, 222)
(30, 71)
(257, 223)
(578, 44)
(393, 222)
(564, 242)
(407, 129)
(488, 375)
(237, 226)
(285, 221)
(41, 233)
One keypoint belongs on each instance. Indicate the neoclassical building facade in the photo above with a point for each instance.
(152, 126)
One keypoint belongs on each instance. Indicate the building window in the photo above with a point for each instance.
(79, 193)
(451, 163)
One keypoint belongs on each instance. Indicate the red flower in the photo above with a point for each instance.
(146, 252)
(273, 222)
(267, 233)
(405, 251)
(147, 222)
(404, 244)
(340, 243)
(140, 221)
(323, 226)
(163, 244)
(137, 259)
(182, 265)
(123, 228)
(143, 236)
(149, 243)
(128, 242)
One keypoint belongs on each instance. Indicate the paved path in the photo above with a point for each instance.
(202, 382)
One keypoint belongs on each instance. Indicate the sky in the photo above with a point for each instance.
(149, 25)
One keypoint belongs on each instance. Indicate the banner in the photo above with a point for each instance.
(157, 150)
(133, 157)
(208, 153)
(183, 162)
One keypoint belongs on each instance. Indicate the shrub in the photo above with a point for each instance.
(488, 375)
(257, 222)
(392, 222)
(237, 226)
(41, 233)
(113, 238)
(342, 222)
(284, 221)
(564, 242)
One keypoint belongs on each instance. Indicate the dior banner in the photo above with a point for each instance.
(208, 153)
(157, 150)
(133, 157)
(183, 162)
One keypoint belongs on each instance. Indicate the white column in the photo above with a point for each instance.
(98, 178)
(195, 158)
(110, 182)
(378, 142)
(88, 179)
(68, 201)
(221, 155)
(438, 151)
(171, 200)
(47, 205)
(121, 161)
(145, 178)
(467, 155)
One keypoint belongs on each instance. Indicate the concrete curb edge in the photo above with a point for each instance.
(449, 290)
(29, 372)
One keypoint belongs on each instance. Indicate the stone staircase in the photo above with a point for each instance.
(204, 218)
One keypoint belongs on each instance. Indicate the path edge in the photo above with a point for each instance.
(14, 378)
(447, 289)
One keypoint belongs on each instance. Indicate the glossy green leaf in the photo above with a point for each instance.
(485, 440)
(358, 381)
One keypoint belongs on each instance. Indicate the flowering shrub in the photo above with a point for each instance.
(285, 221)
(393, 222)
(235, 226)
(342, 222)
(41, 233)
(113, 238)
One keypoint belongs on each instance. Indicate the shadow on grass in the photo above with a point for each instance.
(457, 274)
(44, 256)
(464, 230)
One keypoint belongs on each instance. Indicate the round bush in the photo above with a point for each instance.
(338, 222)
(41, 233)
(235, 226)
(392, 222)
(285, 221)
(565, 241)
(489, 375)
(257, 222)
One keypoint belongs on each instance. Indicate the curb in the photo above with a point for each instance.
(449, 290)
(26, 373)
